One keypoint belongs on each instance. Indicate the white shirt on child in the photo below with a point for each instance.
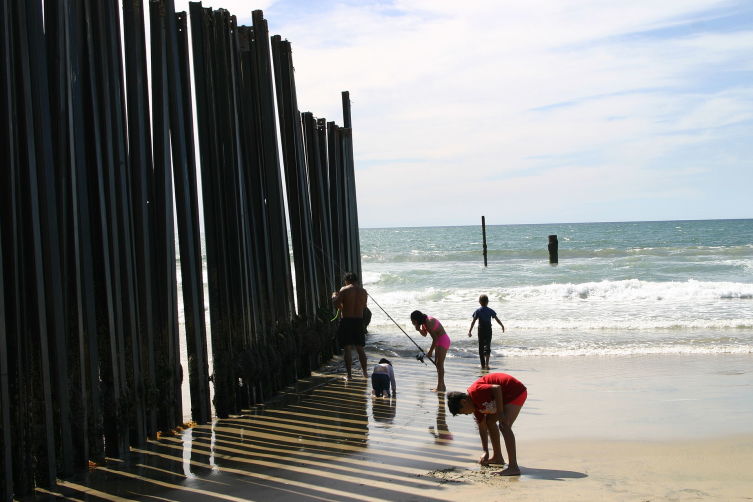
(386, 369)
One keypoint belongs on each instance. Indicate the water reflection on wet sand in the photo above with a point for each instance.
(324, 439)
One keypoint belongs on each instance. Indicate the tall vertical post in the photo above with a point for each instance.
(320, 205)
(299, 204)
(165, 279)
(141, 190)
(350, 178)
(190, 237)
(337, 214)
(271, 168)
(483, 233)
(8, 160)
(6, 457)
(134, 415)
(203, 34)
(35, 151)
(553, 251)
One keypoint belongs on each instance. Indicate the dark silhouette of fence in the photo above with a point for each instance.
(92, 181)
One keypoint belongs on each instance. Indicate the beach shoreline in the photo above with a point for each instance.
(627, 428)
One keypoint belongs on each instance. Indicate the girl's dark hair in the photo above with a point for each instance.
(383, 360)
(417, 315)
(453, 401)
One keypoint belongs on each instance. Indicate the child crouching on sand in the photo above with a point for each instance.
(496, 397)
(382, 378)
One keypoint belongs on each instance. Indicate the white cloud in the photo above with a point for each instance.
(563, 103)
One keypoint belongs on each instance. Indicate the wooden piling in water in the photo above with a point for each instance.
(483, 234)
(553, 249)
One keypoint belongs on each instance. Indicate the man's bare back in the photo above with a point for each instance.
(351, 300)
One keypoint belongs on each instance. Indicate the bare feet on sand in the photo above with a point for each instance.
(347, 378)
(510, 471)
(365, 375)
(493, 460)
(443, 389)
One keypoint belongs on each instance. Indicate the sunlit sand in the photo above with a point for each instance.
(630, 428)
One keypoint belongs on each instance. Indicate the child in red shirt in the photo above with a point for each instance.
(496, 397)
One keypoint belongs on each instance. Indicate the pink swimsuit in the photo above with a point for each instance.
(442, 340)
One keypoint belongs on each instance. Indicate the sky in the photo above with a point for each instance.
(531, 112)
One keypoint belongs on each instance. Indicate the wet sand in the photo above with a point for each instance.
(593, 428)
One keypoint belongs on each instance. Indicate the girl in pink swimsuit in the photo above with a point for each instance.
(440, 341)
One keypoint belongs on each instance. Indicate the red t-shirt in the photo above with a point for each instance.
(483, 398)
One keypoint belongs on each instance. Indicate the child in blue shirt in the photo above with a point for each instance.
(484, 316)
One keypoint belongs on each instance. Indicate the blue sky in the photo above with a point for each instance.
(532, 112)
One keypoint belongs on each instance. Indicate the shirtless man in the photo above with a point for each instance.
(351, 300)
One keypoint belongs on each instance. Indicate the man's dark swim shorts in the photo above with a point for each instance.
(351, 332)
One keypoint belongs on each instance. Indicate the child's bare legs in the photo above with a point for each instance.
(362, 359)
(484, 347)
(441, 353)
(505, 426)
(493, 434)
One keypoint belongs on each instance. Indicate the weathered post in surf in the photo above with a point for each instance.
(483, 234)
(553, 252)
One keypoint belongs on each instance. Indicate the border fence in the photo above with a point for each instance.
(97, 164)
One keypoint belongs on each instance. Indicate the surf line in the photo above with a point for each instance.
(419, 357)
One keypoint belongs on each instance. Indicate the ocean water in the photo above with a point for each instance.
(670, 287)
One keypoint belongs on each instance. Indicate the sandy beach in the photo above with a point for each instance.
(593, 428)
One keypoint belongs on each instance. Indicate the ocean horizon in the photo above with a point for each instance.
(554, 223)
(620, 288)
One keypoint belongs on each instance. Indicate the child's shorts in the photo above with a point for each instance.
(380, 383)
(518, 401)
